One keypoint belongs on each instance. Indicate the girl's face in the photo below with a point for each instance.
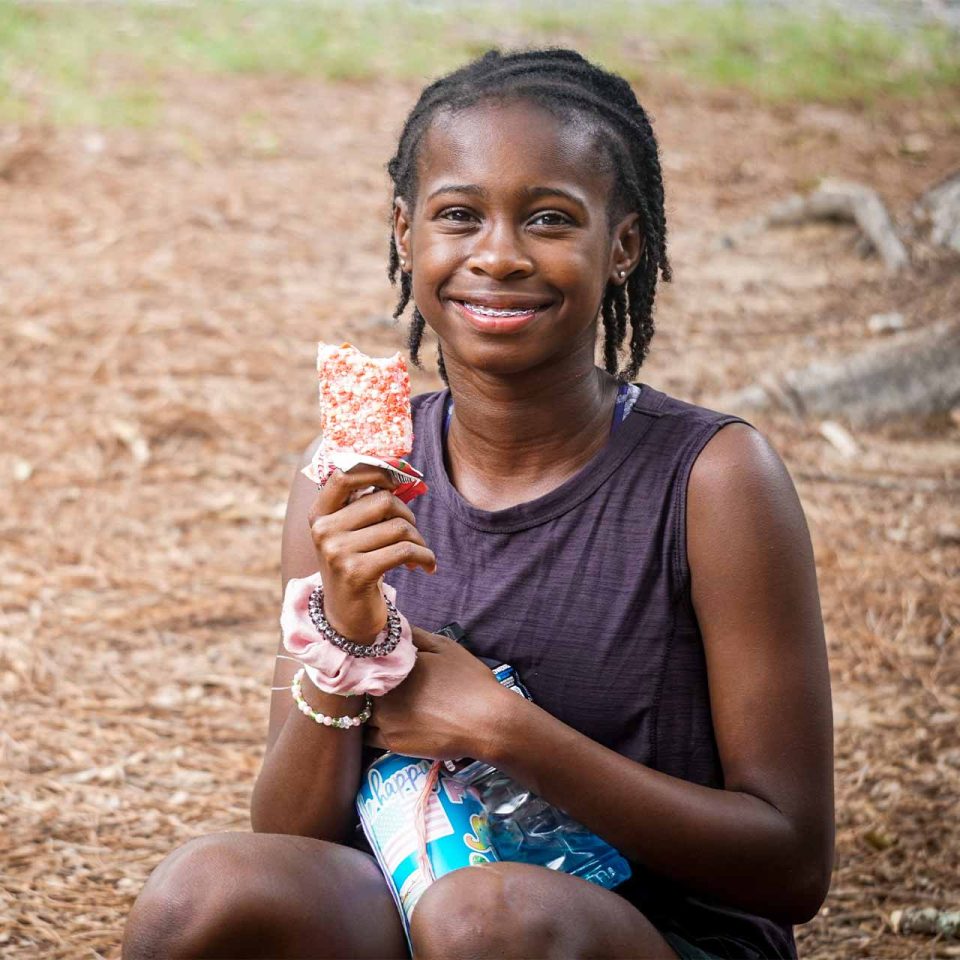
(508, 242)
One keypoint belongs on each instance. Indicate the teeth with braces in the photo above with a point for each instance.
(490, 312)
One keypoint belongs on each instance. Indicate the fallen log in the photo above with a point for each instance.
(910, 374)
(842, 201)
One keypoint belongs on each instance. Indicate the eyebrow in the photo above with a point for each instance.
(532, 193)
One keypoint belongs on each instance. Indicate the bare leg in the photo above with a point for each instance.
(246, 895)
(521, 910)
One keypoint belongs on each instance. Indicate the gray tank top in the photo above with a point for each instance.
(586, 591)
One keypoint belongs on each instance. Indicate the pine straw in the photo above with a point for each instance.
(161, 294)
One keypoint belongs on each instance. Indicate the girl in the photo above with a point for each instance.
(643, 562)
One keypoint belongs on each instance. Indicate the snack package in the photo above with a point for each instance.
(364, 417)
(455, 823)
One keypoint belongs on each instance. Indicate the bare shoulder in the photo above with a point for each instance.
(748, 544)
(739, 459)
(741, 496)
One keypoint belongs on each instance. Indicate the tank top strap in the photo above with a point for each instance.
(655, 403)
(649, 401)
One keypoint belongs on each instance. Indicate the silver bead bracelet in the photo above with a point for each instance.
(390, 633)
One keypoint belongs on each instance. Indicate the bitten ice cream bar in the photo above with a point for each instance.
(364, 417)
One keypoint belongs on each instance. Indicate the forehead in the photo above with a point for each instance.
(505, 146)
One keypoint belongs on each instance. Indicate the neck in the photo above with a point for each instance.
(514, 438)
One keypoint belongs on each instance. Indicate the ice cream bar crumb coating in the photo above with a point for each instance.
(364, 402)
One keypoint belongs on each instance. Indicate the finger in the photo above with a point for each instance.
(362, 513)
(371, 509)
(338, 488)
(377, 535)
(376, 563)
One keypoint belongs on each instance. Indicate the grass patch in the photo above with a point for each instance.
(103, 64)
(788, 55)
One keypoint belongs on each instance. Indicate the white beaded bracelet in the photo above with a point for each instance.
(338, 723)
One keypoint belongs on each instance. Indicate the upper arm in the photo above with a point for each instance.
(298, 558)
(754, 590)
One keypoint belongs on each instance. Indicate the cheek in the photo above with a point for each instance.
(570, 269)
(435, 263)
(433, 247)
(578, 274)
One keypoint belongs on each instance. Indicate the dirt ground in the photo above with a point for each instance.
(161, 293)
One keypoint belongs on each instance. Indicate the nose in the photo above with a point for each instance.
(499, 253)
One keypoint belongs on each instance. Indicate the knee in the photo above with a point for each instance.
(482, 911)
(187, 897)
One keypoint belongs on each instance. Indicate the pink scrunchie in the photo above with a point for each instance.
(329, 668)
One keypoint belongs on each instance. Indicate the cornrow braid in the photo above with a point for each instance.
(565, 83)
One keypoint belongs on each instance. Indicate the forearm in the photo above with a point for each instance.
(310, 775)
(726, 844)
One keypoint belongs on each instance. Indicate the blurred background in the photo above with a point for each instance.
(193, 194)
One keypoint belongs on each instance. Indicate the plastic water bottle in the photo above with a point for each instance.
(525, 828)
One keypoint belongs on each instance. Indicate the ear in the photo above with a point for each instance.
(627, 248)
(401, 231)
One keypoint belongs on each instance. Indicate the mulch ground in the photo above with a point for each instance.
(161, 293)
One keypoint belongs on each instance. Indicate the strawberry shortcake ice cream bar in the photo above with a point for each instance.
(364, 417)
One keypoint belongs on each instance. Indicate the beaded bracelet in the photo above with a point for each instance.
(387, 639)
(338, 723)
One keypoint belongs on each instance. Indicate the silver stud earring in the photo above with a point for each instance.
(621, 274)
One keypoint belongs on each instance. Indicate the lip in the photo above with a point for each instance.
(487, 324)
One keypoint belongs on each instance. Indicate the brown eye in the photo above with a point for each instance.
(552, 219)
(456, 214)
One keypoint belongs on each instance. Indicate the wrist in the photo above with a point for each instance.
(360, 621)
(330, 703)
(495, 732)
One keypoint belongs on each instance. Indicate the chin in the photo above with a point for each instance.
(497, 360)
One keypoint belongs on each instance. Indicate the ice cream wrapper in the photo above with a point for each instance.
(408, 479)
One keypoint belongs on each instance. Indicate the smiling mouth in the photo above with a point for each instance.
(498, 319)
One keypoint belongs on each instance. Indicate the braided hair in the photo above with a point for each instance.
(565, 83)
